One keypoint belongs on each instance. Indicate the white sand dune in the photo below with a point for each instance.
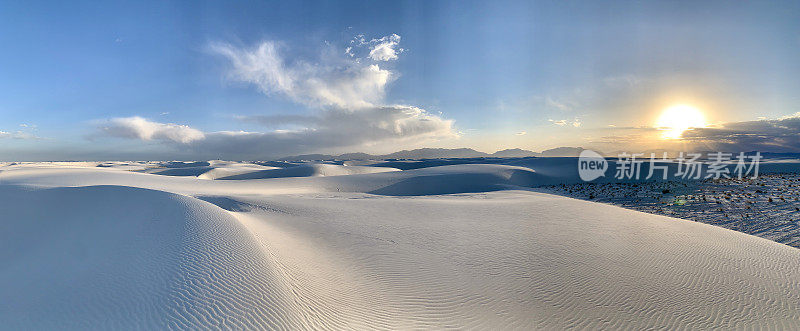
(523, 260)
(116, 257)
(309, 170)
(426, 181)
(220, 172)
(457, 179)
(210, 171)
(100, 248)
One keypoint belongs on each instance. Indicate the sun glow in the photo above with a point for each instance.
(675, 120)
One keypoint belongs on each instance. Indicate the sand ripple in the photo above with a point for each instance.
(111, 257)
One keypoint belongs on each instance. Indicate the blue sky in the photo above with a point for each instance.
(130, 80)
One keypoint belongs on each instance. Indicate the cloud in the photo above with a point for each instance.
(141, 128)
(778, 135)
(521, 133)
(281, 121)
(378, 123)
(383, 49)
(575, 123)
(28, 132)
(332, 82)
(345, 92)
(332, 129)
(775, 135)
(19, 135)
(378, 49)
(790, 116)
(335, 128)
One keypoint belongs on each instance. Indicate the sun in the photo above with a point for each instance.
(679, 118)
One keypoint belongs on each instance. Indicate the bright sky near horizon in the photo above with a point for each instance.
(261, 79)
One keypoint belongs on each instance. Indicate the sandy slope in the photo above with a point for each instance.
(118, 257)
(209, 172)
(145, 251)
(522, 260)
(309, 170)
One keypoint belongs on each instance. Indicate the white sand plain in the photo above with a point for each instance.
(460, 246)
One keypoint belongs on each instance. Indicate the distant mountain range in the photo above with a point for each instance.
(563, 151)
(437, 153)
(451, 153)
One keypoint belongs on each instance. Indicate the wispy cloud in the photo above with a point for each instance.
(144, 129)
(20, 134)
(574, 123)
(329, 82)
(385, 49)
